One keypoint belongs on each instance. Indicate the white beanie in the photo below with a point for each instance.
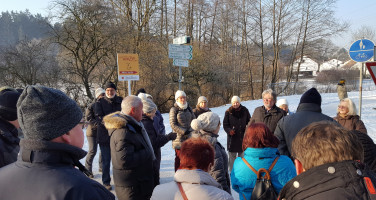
(208, 121)
(201, 99)
(148, 105)
(179, 93)
(98, 92)
(235, 98)
(142, 96)
(281, 102)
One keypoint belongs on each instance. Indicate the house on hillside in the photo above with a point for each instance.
(309, 68)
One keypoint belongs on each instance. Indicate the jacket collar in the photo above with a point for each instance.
(309, 107)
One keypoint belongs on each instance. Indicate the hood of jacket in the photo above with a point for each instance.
(118, 120)
(309, 107)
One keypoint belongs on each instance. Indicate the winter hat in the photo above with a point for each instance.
(201, 99)
(98, 92)
(148, 106)
(179, 93)
(110, 85)
(8, 102)
(45, 113)
(235, 99)
(207, 121)
(141, 90)
(282, 102)
(311, 96)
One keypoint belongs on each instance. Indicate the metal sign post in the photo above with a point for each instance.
(180, 54)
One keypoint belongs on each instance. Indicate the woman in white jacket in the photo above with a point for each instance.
(196, 158)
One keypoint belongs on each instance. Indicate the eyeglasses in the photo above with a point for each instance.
(342, 107)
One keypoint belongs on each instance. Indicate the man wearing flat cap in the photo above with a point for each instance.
(108, 104)
(50, 151)
(9, 141)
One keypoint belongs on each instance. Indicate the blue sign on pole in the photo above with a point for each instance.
(361, 50)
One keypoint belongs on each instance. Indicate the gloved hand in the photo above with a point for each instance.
(232, 132)
(171, 136)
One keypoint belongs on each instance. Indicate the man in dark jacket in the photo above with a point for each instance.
(308, 111)
(51, 149)
(269, 113)
(328, 162)
(91, 132)
(9, 141)
(108, 104)
(131, 151)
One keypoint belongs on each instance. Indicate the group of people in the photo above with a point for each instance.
(313, 156)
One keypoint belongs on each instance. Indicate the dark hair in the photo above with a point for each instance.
(196, 153)
(258, 135)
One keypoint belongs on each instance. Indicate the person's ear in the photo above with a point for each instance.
(299, 167)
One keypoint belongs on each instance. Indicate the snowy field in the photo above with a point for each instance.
(329, 107)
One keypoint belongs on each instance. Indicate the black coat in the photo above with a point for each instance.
(91, 130)
(198, 111)
(45, 170)
(237, 120)
(318, 183)
(369, 149)
(103, 107)
(157, 140)
(270, 119)
(9, 143)
(289, 126)
(132, 160)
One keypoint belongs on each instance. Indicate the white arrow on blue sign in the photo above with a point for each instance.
(180, 51)
(361, 50)
(180, 55)
(180, 62)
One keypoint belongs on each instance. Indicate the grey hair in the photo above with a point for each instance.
(130, 102)
(271, 92)
(350, 105)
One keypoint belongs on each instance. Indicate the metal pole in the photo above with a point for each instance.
(360, 90)
(129, 88)
(180, 77)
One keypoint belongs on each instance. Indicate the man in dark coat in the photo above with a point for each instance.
(91, 132)
(131, 151)
(108, 104)
(234, 123)
(51, 149)
(308, 111)
(328, 160)
(269, 113)
(201, 107)
(9, 141)
(369, 148)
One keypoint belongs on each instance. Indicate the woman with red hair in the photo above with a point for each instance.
(260, 148)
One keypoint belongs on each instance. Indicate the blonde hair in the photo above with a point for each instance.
(350, 105)
(325, 142)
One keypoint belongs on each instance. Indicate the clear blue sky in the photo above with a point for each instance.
(355, 12)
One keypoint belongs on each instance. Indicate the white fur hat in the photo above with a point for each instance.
(206, 121)
(98, 92)
(281, 102)
(201, 99)
(179, 93)
(144, 96)
(235, 98)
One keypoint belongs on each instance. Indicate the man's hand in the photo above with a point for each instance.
(232, 132)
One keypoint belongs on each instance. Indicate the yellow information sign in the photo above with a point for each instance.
(128, 68)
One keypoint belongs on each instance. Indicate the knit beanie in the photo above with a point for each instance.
(179, 93)
(201, 99)
(46, 113)
(110, 85)
(148, 106)
(8, 102)
(235, 99)
(208, 121)
(98, 92)
(311, 96)
(282, 102)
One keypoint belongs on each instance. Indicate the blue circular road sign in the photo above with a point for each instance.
(361, 50)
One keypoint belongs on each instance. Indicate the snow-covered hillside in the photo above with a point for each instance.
(329, 106)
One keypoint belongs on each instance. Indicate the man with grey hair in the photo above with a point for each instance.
(269, 113)
(131, 151)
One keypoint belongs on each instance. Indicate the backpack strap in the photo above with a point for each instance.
(274, 162)
(250, 167)
(182, 191)
(253, 169)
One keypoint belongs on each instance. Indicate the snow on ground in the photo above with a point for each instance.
(329, 107)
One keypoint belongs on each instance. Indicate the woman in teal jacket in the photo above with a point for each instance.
(260, 150)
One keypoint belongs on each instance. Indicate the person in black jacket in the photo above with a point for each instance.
(369, 148)
(108, 104)
(131, 150)
(9, 141)
(91, 132)
(328, 160)
(157, 138)
(234, 123)
(51, 149)
(202, 106)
